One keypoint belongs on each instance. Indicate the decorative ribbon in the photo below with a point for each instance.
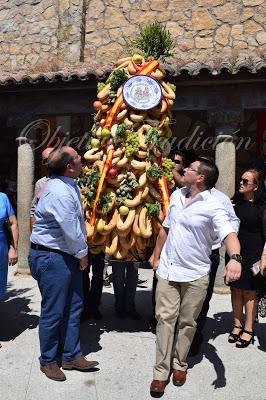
(100, 186)
(165, 194)
(146, 70)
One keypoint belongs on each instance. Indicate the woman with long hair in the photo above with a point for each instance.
(250, 209)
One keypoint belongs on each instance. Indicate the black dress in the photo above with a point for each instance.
(251, 237)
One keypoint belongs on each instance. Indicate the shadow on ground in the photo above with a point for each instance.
(221, 324)
(15, 314)
(94, 329)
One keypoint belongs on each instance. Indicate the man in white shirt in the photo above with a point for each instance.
(181, 257)
(215, 262)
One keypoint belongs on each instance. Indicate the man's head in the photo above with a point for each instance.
(65, 161)
(45, 154)
(202, 173)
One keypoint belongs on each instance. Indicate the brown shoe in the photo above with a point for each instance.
(52, 371)
(80, 364)
(179, 377)
(157, 386)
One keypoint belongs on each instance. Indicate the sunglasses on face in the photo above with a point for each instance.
(245, 182)
(177, 162)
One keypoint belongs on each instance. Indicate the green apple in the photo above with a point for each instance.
(137, 58)
(106, 133)
(123, 210)
(95, 142)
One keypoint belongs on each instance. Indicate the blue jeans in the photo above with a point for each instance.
(125, 279)
(60, 283)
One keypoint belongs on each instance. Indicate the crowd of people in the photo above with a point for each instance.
(185, 260)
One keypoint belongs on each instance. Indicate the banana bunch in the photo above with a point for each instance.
(129, 211)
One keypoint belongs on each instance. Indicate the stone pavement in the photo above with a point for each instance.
(125, 350)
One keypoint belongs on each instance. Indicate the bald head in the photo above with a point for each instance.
(45, 154)
(64, 161)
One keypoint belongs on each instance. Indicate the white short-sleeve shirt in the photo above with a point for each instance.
(193, 229)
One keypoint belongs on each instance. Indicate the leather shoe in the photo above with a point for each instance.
(179, 377)
(157, 386)
(52, 371)
(80, 364)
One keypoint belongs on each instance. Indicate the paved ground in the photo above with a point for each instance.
(125, 350)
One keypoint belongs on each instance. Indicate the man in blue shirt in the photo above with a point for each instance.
(57, 257)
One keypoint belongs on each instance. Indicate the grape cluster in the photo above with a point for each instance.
(168, 168)
(132, 143)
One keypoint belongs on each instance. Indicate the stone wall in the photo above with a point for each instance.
(47, 32)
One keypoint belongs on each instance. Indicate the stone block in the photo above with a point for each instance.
(111, 51)
(174, 29)
(237, 30)
(252, 3)
(95, 9)
(230, 12)
(180, 4)
(261, 37)
(203, 43)
(15, 48)
(114, 18)
(239, 44)
(222, 35)
(49, 13)
(202, 19)
(158, 5)
(210, 3)
(185, 44)
(251, 27)
(63, 6)
(246, 14)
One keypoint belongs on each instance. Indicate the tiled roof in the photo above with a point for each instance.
(84, 72)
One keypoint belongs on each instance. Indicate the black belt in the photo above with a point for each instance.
(35, 246)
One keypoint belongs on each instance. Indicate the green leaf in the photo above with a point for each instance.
(153, 209)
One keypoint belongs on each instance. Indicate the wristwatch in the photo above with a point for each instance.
(236, 257)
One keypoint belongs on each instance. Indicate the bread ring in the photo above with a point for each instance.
(121, 115)
(124, 225)
(124, 233)
(168, 91)
(142, 179)
(134, 202)
(122, 60)
(145, 224)
(156, 225)
(104, 92)
(145, 192)
(141, 154)
(111, 247)
(122, 163)
(158, 74)
(115, 181)
(124, 64)
(155, 194)
(138, 164)
(136, 229)
(120, 253)
(112, 224)
(90, 229)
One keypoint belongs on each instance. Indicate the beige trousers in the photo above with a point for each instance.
(182, 301)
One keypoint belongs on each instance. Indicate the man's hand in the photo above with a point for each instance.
(263, 263)
(12, 256)
(83, 263)
(154, 262)
(232, 271)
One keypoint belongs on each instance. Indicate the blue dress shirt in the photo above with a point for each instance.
(59, 218)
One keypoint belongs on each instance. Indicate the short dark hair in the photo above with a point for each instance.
(210, 171)
(58, 161)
